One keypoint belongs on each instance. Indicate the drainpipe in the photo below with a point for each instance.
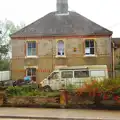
(113, 60)
(52, 53)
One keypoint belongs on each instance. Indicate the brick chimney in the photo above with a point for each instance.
(62, 6)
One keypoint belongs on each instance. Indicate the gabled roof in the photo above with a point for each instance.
(62, 25)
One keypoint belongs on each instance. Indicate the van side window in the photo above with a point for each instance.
(79, 74)
(97, 73)
(67, 74)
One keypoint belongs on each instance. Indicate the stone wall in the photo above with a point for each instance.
(47, 55)
(31, 101)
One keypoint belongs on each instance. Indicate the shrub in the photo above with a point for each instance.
(70, 87)
(107, 89)
(28, 90)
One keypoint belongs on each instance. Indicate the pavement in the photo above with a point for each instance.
(57, 114)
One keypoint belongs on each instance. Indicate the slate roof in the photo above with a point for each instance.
(62, 25)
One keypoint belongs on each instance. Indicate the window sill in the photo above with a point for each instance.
(60, 56)
(31, 57)
(90, 55)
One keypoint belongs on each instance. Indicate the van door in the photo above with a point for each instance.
(80, 77)
(54, 80)
(66, 77)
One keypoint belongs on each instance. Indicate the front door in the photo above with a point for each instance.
(66, 78)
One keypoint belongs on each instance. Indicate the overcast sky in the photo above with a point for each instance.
(103, 12)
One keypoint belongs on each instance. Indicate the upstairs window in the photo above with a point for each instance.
(31, 48)
(60, 48)
(89, 47)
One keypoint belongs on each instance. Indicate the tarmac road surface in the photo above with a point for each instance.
(57, 114)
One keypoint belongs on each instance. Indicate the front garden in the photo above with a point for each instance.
(93, 93)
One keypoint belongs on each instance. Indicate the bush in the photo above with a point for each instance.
(28, 90)
(70, 87)
(104, 90)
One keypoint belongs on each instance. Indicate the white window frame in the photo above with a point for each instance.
(63, 56)
(89, 47)
(31, 56)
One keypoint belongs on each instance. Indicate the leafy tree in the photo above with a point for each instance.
(7, 27)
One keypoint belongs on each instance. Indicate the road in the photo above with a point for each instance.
(41, 114)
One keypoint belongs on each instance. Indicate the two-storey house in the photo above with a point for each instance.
(60, 38)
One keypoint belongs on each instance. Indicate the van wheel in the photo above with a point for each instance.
(47, 89)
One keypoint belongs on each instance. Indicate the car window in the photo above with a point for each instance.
(80, 74)
(67, 74)
(97, 73)
(54, 75)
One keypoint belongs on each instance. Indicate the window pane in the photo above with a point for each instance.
(29, 45)
(33, 44)
(33, 51)
(79, 74)
(29, 52)
(87, 50)
(91, 43)
(87, 43)
(33, 71)
(29, 73)
(67, 74)
(91, 50)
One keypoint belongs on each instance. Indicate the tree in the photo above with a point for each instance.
(7, 27)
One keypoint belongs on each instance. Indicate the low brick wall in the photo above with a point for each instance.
(80, 100)
(31, 101)
(64, 100)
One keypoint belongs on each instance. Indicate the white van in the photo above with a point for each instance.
(75, 75)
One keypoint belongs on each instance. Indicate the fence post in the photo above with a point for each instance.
(63, 98)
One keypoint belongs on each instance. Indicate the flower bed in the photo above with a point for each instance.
(104, 92)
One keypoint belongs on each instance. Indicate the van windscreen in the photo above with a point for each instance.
(80, 74)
